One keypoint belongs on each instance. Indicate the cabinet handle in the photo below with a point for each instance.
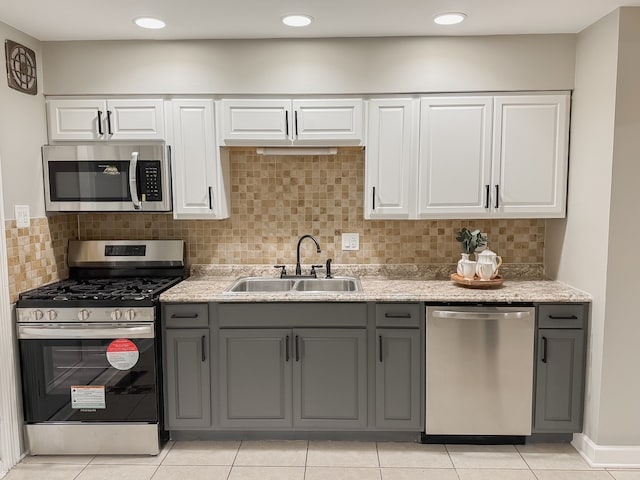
(210, 200)
(497, 196)
(204, 347)
(374, 198)
(286, 349)
(190, 315)
(100, 132)
(380, 347)
(544, 349)
(295, 122)
(563, 317)
(286, 122)
(397, 315)
(297, 348)
(109, 122)
(486, 200)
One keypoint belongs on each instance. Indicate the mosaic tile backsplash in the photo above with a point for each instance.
(37, 255)
(275, 200)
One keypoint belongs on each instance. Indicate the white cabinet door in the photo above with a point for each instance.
(455, 157)
(391, 156)
(76, 119)
(328, 121)
(199, 190)
(256, 121)
(530, 155)
(135, 119)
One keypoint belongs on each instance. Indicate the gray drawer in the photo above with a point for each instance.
(562, 315)
(186, 315)
(398, 315)
(292, 315)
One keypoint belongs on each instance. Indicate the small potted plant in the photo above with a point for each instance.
(470, 241)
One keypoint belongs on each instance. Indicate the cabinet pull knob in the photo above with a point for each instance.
(563, 317)
(286, 122)
(397, 315)
(109, 122)
(203, 340)
(297, 348)
(544, 349)
(210, 199)
(295, 122)
(286, 349)
(374, 198)
(188, 315)
(487, 192)
(100, 132)
(380, 348)
(497, 196)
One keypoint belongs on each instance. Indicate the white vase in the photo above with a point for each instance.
(465, 258)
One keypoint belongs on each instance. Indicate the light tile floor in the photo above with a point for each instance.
(319, 460)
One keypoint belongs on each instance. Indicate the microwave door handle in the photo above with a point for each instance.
(133, 180)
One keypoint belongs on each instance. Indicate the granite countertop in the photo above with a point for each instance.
(209, 284)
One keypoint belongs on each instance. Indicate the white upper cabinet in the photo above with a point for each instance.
(530, 156)
(80, 119)
(291, 122)
(391, 153)
(199, 188)
(455, 156)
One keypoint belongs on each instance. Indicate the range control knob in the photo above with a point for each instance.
(130, 314)
(116, 315)
(51, 315)
(37, 314)
(83, 314)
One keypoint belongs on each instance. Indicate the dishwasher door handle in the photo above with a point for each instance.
(479, 315)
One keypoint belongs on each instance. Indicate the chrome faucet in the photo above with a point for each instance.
(298, 268)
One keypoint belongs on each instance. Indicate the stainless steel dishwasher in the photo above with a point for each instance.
(479, 370)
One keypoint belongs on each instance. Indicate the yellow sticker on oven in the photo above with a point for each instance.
(87, 397)
(122, 354)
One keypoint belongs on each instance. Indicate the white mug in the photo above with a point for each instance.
(468, 269)
(485, 271)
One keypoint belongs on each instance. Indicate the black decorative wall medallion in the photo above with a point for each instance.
(21, 67)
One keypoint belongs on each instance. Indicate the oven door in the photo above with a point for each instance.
(89, 373)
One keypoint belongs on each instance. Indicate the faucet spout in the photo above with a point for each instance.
(298, 267)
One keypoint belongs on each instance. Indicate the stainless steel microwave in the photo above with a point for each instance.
(107, 178)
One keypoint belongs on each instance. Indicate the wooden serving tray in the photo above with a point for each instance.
(476, 282)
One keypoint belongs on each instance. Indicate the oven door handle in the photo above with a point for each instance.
(43, 331)
(133, 180)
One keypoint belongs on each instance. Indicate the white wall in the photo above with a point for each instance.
(22, 133)
(306, 66)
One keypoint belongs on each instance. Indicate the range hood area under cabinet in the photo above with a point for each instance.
(502, 156)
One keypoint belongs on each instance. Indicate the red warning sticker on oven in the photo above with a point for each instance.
(122, 354)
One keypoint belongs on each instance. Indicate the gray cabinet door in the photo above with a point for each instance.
(398, 379)
(255, 378)
(330, 379)
(187, 378)
(559, 380)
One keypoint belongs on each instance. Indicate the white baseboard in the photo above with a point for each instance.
(607, 456)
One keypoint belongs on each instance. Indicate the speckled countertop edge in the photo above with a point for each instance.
(209, 285)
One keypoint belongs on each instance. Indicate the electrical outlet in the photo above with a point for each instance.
(23, 218)
(350, 241)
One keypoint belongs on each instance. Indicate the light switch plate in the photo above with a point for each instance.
(350, 241)
(23, 218)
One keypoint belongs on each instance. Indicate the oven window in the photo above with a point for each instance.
(95, 181)
(53, 369)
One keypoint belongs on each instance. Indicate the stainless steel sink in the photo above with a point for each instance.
(328, 285)
(296, 285)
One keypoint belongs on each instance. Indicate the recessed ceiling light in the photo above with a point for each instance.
(296, 20)
(149, 22)
(449, 18)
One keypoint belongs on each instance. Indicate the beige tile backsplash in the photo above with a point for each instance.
(274, 201)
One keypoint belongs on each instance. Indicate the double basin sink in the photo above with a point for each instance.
(296, 285)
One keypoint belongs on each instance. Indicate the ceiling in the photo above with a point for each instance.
(49, 20)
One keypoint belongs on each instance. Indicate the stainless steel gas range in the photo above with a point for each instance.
(90, 350)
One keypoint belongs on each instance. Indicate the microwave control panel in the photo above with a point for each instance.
(150, 181)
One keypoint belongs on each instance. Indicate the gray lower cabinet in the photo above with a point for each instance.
(187, 378)
(560, 368)
(293, 378)
(398, 379)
